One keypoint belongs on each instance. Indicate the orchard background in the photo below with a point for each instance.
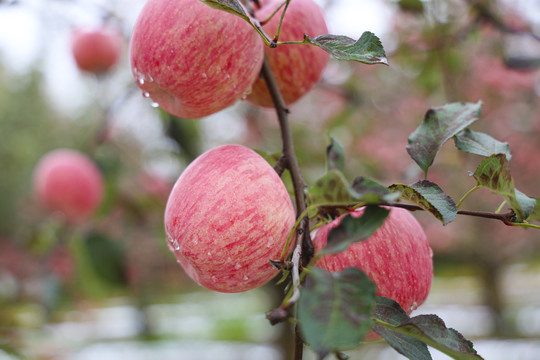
(109, 288)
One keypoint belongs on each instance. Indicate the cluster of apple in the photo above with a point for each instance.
(229, 212)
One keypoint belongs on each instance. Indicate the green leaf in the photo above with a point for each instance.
(334, 309)
(481, 144)
(231, 6)
(440, 124)
(372, 192)
(493, 173)
(332, 189)
(335, 156)
(390, 312)
(430, 197)
(353, 229)
(429, 329)
(413, 6)
(535, 216)
(368, 49)
(107, 258)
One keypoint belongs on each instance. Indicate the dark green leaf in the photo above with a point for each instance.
(335, 156)
(390, 312)
(429, 329)
(231, 6)
(430, 197)
(334, 309)
(107, 258)
(332, 189)
(481, 144)
(413, 6)
(368, 49)
(440, 124)
(372, 192)
(353, 229)
(493, 173)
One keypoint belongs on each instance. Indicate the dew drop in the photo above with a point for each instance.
(229, 259)
(246, 278)
(204, 76)
(227, 76)
(237, 266)
(146, 94)
(154, 104)
(414, 306)
(209, 253)
(214, 278)
(195, 240)
(141, 81)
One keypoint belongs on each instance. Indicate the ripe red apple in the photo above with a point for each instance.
(191, 59)
(228, 214)
(297, 68)
(397, 257)
(68, 181)
(96, 50)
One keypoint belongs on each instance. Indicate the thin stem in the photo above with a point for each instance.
(263, 22)
(466, 195)
(499, 209)
(281, 20)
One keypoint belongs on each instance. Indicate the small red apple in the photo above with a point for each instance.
(297, 68)
(227, 216)
(96, 50)
(397, 257)
(68, 181)
(191, 59)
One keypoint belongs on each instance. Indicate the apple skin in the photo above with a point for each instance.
(67, 181)
(297, 68)
(397, 257)
(191, 59)
(96, 50)
(228, 214)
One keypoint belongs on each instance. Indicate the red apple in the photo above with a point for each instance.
(67, 181)
(297, 68)
(397, 257)
(96, 50)
(227, 216)
(191, 59)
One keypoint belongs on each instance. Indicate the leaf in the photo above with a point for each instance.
(368, 49)
(353, 229)
(412, 6)
(372, 192)
(429, 329)
(481, 144)
(440, 124)
(334, 309)
(231, 6)
(493, 173)
(335, 156)
(332, 189)
(430, 197)
(107, 258)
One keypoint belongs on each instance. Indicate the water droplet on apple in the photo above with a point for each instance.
(214, 278)
(237, 266)
(414, 306)
(246, 278)
(204, 76)
(246, 93)
(270, 242)
(209, 253)
(141, 80)
(154, 104)
(146, 94)
(227, 76)
(229, 259)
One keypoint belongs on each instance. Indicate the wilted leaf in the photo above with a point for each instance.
(372, 192)
(440, 124)
(368, 49)
(481, 144)
(334, 309)
(430, 197)
(335, 156)
(429, 329)
(332, 189)
(493, 173)
(353, 229)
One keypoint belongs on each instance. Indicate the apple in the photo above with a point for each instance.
(297, 68)
(96, 50)
(191, 59)
(67, 181)
(227, 216)
(397, 257)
